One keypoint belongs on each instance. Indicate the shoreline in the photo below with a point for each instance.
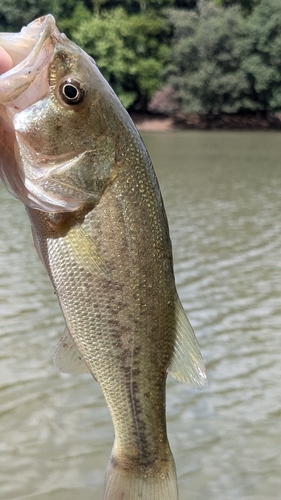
(161, 123)
(152, 123)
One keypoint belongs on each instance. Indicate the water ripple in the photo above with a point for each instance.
(222, 193)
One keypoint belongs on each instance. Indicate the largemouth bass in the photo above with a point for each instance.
(70, 152)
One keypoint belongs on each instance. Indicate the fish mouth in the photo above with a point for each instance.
(20, 45)
(31, 51)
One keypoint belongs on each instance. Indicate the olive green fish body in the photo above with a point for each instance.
(76, 161)
(121, 312)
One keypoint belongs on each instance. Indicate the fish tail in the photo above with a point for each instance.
(127, 484)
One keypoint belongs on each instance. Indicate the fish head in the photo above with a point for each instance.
(57, 146)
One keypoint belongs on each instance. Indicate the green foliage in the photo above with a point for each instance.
(69, 24)
(262, 66)
(205, 68)
(186, 4)
(130, 51)
(137, 6)
(222, 62)
(14, 14)
(246, 5)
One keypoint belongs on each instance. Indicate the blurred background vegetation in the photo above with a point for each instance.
(175, 56)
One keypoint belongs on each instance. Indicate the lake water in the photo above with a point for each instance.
(222, 196)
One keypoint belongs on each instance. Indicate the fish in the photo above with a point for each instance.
(71, 154)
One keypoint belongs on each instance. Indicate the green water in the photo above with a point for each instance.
(222, 195)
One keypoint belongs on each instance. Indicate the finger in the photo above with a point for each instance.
(6, 62)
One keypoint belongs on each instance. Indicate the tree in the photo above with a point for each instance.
(14, 14)
(262, 66)
(130, 51)
(208, 49)
(137, 6)
(246, 5)
(223, 62)
(71, 23)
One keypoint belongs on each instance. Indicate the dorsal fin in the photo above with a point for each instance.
(187, 364)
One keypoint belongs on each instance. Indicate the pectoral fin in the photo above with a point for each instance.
(187, 364)
(67, 358)
(84, 250)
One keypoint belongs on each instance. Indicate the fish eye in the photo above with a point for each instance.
(71, 92)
